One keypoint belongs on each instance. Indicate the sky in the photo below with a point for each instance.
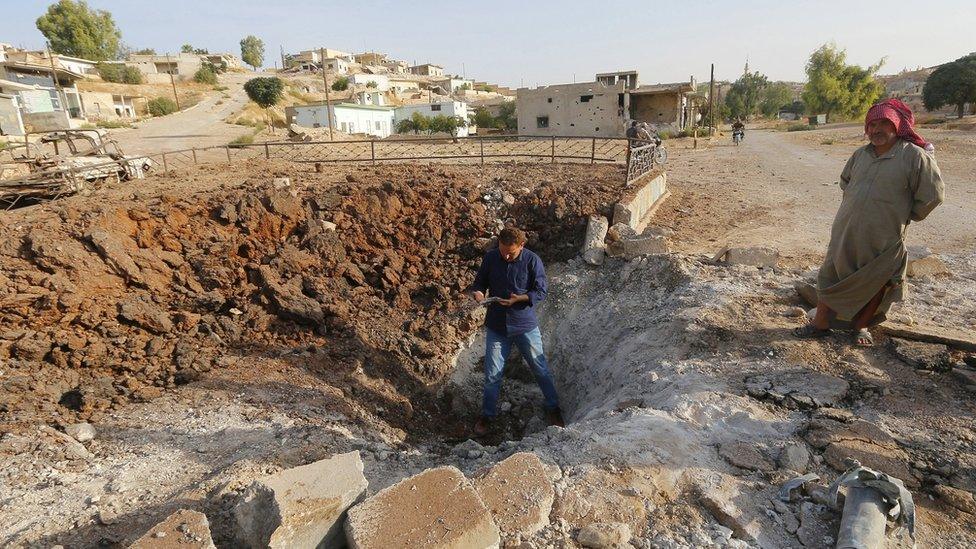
(541, 42)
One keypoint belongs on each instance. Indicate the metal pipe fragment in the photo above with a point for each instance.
(862, 525)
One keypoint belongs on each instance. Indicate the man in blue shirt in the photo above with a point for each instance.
(515, 279)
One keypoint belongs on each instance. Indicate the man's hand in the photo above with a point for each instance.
(515, 298)
(478, 296)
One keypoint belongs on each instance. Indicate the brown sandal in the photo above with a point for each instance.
(809, 331)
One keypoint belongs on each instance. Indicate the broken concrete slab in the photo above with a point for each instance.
(921, 355)
(438, 508)
(183, 529)
(631, 247)
(303, 506)
(604, 535)
(760, 256)
(960, 500)
(594, 249)
(518, 493)
(960, 339)
(82, 432)
(794, 457)
(720, 502)
(798, 389)
(637, 206)
(807, 291)
(745, 456)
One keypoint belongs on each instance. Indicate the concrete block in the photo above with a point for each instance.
(594, 247)
(303, 506)
(518, 493)
(437, 509)
(629, 248)
(754, 256)
(636, 205)
(604, 535)
(183, 529)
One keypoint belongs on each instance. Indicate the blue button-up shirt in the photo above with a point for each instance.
(499, 278)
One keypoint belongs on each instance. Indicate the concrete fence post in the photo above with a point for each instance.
(227, 148)
(267, 151)
(372, 150)
(194, 151)
(553, 153)
(593, 151)
(165, 167)
(481, 143)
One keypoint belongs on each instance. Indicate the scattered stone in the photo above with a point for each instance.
(800, 389)
(794, 457)
(924, 356)
(927, 266)
(115, 255)
(73, 450)
(807, 291)
(468, 448)
(594, 248)
(146, 315)
(182, 529)
(303, 506)
(281, 182)
(518, 493)
(604, 535)
(508, 199)
(82, 432)
(817, 525)
(631, 247)
(436, 509)
(753, 256)
(745, 456)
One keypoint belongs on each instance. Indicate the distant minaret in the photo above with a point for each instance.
(746, 70)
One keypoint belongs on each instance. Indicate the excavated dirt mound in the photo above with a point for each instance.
(112, 298)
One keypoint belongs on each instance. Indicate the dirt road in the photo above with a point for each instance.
(780, 189)
(199, 126)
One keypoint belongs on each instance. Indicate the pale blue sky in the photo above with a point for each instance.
(539, 42)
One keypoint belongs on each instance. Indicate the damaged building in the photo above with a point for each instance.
(604, 107)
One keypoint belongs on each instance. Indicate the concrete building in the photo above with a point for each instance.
(395, 66)
(401, 86)
(373, 120)
(427, 69)
(314, 57)
(629, 78)
(362, 79)
(370, 58)
(370, 97)
(157, 68)
(663, 105)
(45, 98)
(583, 109)
(112, 106)
(453, 84)
(430, 110)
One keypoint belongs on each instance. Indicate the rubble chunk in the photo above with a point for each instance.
(594, 249)
(929, 265)
(745, 456)
(82, 432)
(924, 356)
(758, 256)
(604, 535)
(303, 506)
(518, 493)
(794, 457)
(146, 315)
(631, 247)
(183, 529)
(438, 508)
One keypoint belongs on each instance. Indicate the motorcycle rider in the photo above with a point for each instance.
(738, 126)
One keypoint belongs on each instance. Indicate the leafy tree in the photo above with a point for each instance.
(252, 51)
(74, 29)
(371, 84)
(836, 88)
(507, 119)
(161, 106)
(420, 123)
(951, 84)
(145, 51)
(340, 84)
(265, 91)
(776, 96)
(745, 94)
(205, 75)
(406, 126)
(482, 118)
(188, 48)
(119, 73)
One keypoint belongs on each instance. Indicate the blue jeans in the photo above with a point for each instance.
(497, 348)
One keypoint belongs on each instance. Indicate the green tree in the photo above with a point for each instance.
(482, 118)
(119, 73)
(951, 84)
(371, 84)
(74, 29)
(252, 51)
(161, 106)
(836, 88)
(420, 122)
(205, 75)
(145, 51)
(265, 91)
(406, 126)
(340, 84)
(188, 48)
(776, 96)
(507, 119)
(745, 95)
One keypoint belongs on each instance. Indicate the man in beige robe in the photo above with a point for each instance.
(887, 184)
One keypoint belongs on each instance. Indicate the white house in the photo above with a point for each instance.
(430, 110)
(371, 120)
(453, 84)
(381, 80)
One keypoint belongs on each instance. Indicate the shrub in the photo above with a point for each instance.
(341, 84)
(245, 139)
(119, 74)
(112, 124)
(205, 76)
(221, 88)
(266, 92)
(161, 106)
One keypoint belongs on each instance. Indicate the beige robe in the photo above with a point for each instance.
(867, 240)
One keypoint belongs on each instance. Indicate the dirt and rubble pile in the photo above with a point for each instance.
(111, 300)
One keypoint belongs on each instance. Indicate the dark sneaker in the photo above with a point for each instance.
(482, 426)
(555, 417)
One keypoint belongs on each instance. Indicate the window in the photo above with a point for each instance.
(542, 121)
(435, 107)
(585, 98)
(377, 125)
(549, 100)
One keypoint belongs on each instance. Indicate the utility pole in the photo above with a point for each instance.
(282, 48)
(325, 80)
(711, 102)
(172, 80)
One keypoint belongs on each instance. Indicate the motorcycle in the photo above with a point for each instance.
(738, 135)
